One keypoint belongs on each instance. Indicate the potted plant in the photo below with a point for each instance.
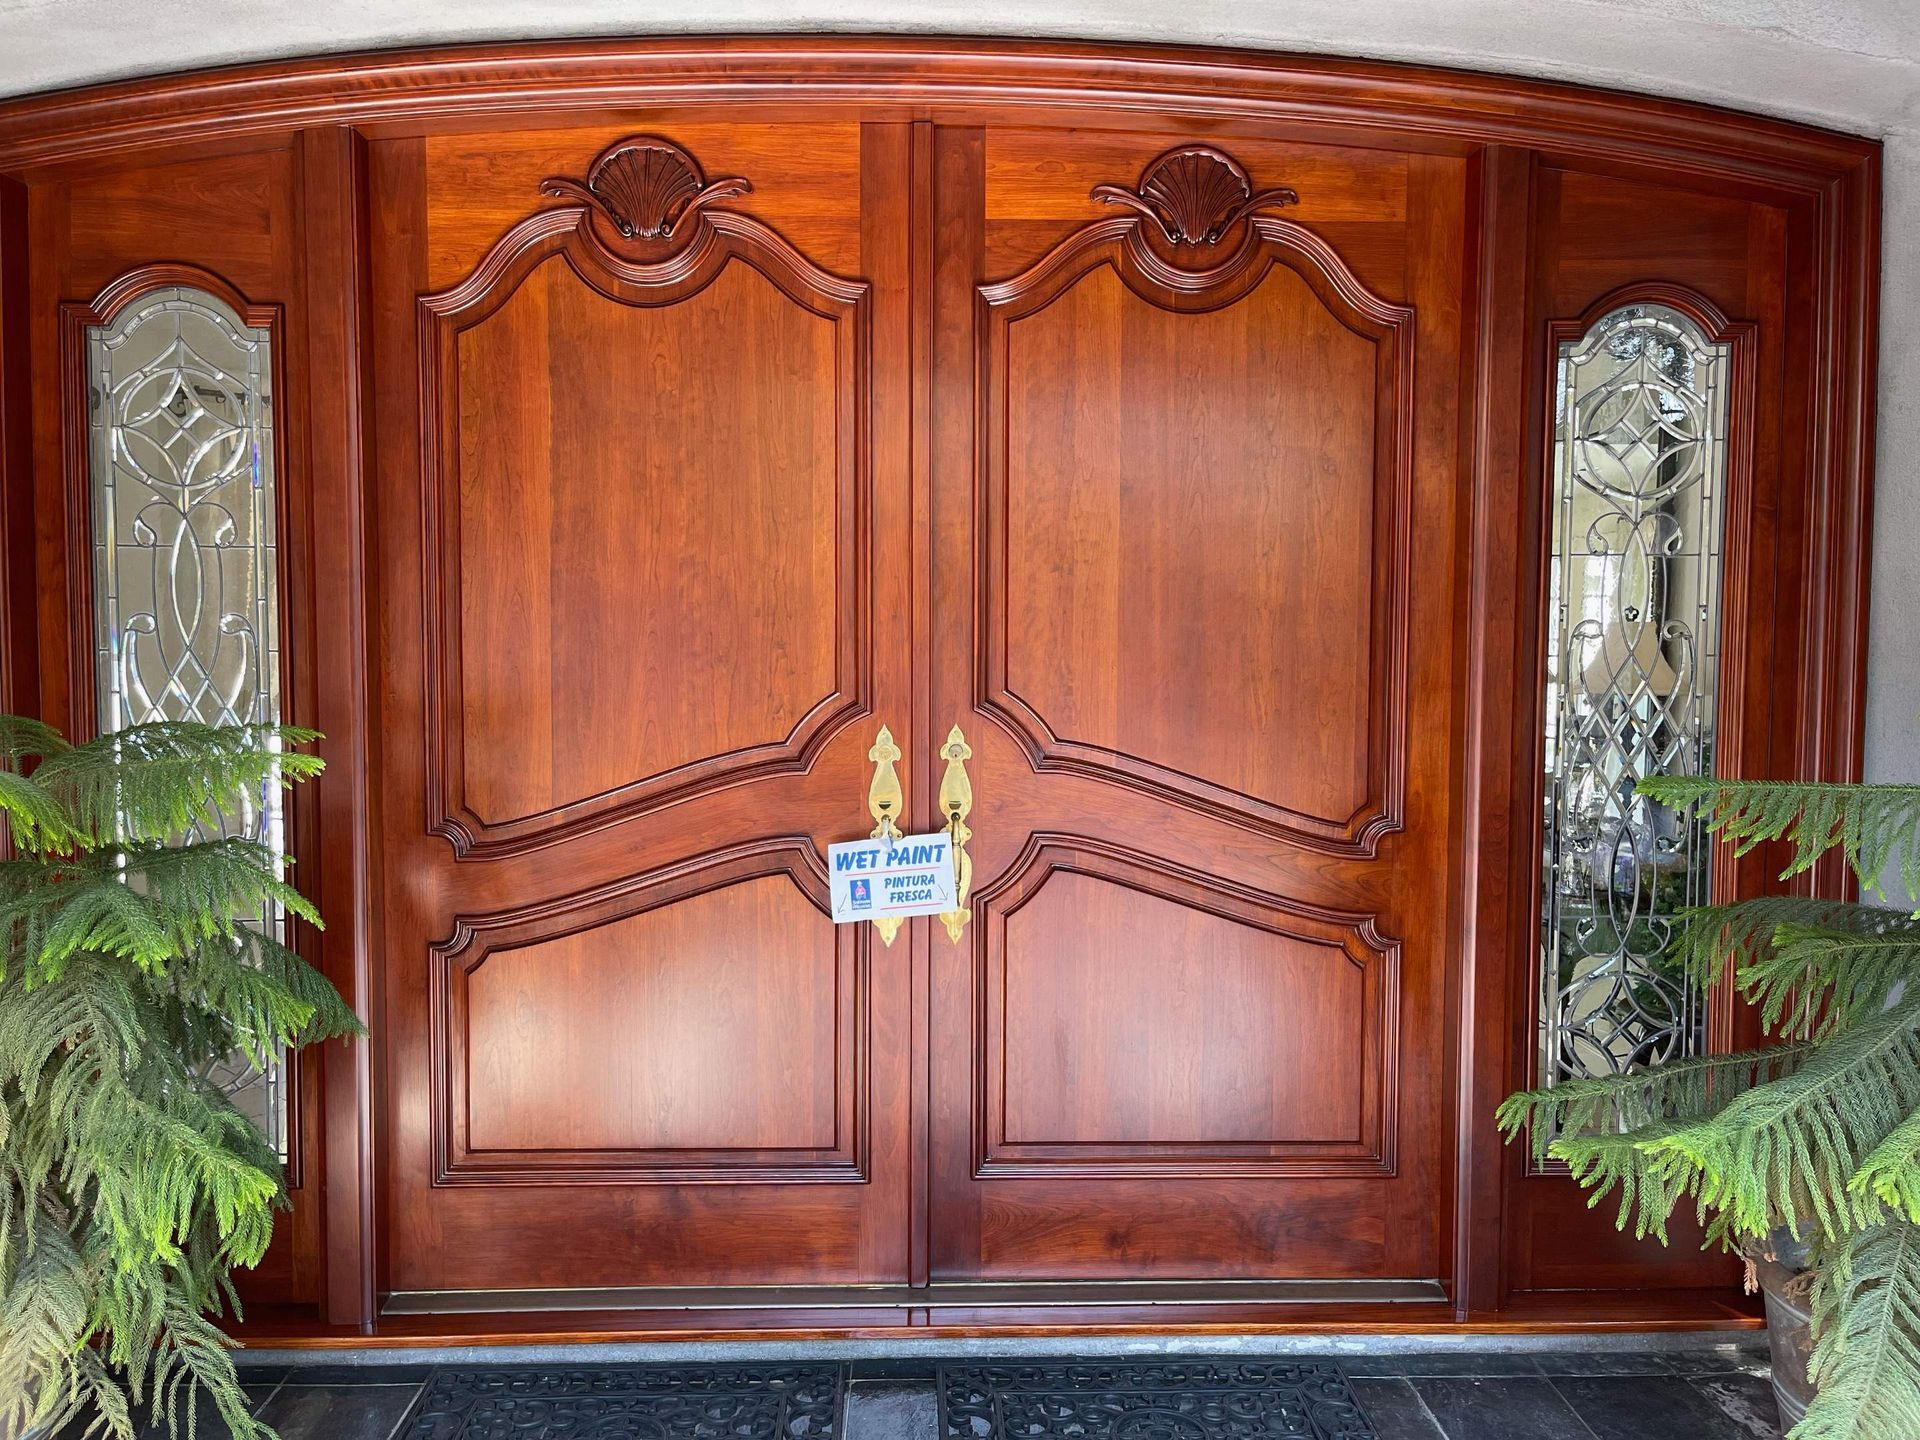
(134, 964)
(1805, 1156)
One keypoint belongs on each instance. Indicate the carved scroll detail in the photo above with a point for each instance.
(1195, 194)
(645, 186)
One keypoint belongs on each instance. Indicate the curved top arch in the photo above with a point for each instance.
(418, 88)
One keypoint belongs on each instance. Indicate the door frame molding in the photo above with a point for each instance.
(328, 109)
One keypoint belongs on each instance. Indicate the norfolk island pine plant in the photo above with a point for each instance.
(1818, 1134)
(130, 1184)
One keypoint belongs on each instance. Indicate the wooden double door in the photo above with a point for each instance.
(706, 449)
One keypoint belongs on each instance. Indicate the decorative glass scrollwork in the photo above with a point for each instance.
(1633, 639)
(185, 581)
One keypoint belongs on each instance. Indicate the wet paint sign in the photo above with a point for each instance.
(906, 875)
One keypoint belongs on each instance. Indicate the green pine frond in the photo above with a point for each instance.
(152, 782)
(1792, 1146)
(1866, 1354)
(149, 903)
(1819, 978)
(1870, 825)
(1740, 933)
(35, 819)
(226, 877)
(1611, 1104)
(23, 739)
(1603, 1128)
(134, 965)
(46, 1312)
(268, 995)
(1649, 1187)
(1892, 1171)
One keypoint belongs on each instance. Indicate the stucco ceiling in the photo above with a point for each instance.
(1849, 63)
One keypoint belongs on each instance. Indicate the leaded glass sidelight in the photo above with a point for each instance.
(180, 420)
(1633, 631)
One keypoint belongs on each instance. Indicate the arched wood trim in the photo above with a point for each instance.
(529, 80)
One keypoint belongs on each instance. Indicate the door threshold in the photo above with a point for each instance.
(1078, 1293)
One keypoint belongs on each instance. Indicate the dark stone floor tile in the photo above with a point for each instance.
(1721, 1360)
(1502, 1409)
(338, 1412)
(1603, 1362)
(1394, 1409)
(1442, 1362)
(1637, 1407)
(892, 1410)
(1746, 1399)
(267, 1372)
(358, 1374)
(922, 1368)
(209, 1425)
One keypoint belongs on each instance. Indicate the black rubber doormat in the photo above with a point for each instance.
(1186, 1399)
(633, 1402)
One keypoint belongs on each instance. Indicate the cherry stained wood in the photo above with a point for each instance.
(1727, 258)
(1565, 1313)
(629, 688)
(1129, 510)
(19, 639)
(473, 86)
(334, 207)
(95, 243)
(345, 189)
(646, 509)
(1100, 1061)
(1293, 371)
(675, 1021)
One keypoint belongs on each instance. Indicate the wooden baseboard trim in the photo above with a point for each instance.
(1538, 1313)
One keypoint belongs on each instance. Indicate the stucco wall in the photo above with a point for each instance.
(1893, 664)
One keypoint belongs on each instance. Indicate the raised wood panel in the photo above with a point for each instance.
(701, 1024)
(1247, 511)
(1039, 192)
(646, 476)
(684, 1028)
(1205, 600)
(1031, 175)
(1143, 1020)
(806, 182)
(645, 495)
(231, 212)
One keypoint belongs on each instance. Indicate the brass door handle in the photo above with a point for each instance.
(956, 803)
(883, 803)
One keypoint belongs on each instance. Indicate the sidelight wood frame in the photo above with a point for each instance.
(1513, 133)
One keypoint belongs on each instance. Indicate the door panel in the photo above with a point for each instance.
(630, 682)
(1106, 1062)
(701, 557)
(1164, 527)
(710, 1033)
(1182, 449)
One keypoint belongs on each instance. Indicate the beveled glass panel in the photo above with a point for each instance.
(1639, 469)
(180, 407)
